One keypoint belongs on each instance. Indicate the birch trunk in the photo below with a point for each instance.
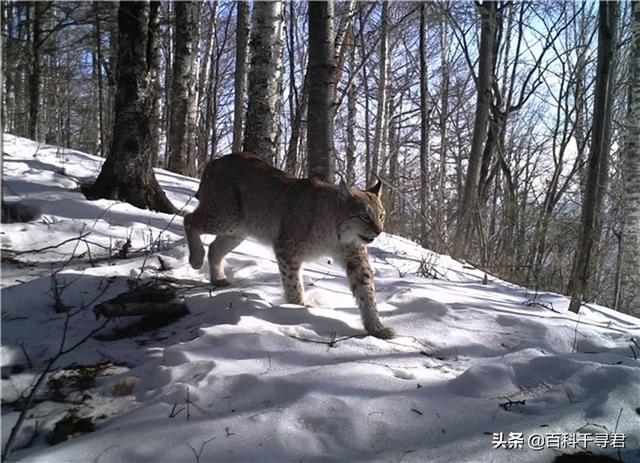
(265, 74)
(182, 87)
(352, 114)
(322, 76)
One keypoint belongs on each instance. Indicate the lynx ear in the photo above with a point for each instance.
(344, 189)
(375, 189)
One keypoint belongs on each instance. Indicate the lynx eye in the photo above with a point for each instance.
(381, 216)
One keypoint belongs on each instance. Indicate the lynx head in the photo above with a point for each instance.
(361, 214)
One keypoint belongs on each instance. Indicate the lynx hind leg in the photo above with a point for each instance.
(194, 242)
(217, 214)
(291, 279)
(220, 247)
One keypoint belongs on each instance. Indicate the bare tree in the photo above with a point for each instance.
(381, 122)
(630, 258)
(468, 205)
(240, 82)
(180, 138)
(127, 173)
(441, 216)
(351, 115)
(35, 80)
(322, 76)
(424, 125)
(599, 151)
(265, 74)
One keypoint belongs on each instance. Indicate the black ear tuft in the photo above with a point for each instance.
(375, 189)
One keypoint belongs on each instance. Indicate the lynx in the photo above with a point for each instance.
(241, 195)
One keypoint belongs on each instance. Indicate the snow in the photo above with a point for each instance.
(245, 377)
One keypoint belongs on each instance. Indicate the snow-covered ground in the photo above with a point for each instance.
(245, 378)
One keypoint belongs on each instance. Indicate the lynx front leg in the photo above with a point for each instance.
(220, 247)
(361, 282)
(291, 279)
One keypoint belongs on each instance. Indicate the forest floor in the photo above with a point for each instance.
(243, 377)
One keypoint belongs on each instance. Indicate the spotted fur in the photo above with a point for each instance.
(241, 195)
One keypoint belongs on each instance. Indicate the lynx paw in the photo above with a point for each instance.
(222, 282)
(196, 258)
(382, 332)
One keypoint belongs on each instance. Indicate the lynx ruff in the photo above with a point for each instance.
(241, 195)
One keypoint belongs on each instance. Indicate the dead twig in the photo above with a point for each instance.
(40, 381)
(46, 248)
(197, 454)
(332, 342)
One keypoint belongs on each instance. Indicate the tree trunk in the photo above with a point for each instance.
(441, 221)
(630, 258)
(424, 126)
(35, 83)
(203, 127)
(468, 205)
(599, 150)
(7, 74)
(378, 141)
(322, 75)
(297, 102)
(240, 79)
(265, 74)
(352, 114)
(182, 85)
(96, 5)
(111, 71)
(156, 103)
(127, 173)
(392, 142)
(581, 96)
(365, 89)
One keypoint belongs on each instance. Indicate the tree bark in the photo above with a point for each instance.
(424, 125)
(111, 71)
(352, 114)
(297, 101)
(441, 219)
(35, 79)
(468, 205)
(322, 75)
(630, 246)
(240, 78)
(156, 103)
(265, 74)
(182, 88)
(101, 137)
(378, 141)
(598, 151)
(127, 173)
(203, 127)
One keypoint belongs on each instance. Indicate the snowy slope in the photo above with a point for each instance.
(246, 378)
